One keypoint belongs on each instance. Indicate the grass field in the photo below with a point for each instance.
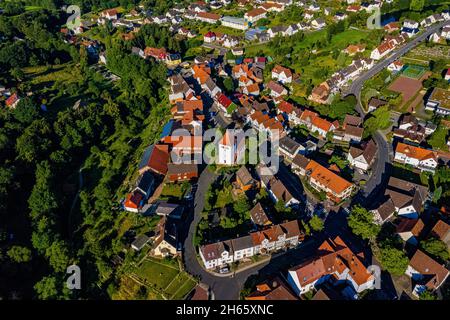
(414, 71)
(174, 190)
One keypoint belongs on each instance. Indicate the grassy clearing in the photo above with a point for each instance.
(157, 274)
(174, 190)
(164, 278)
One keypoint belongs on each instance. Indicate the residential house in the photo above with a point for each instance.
(322, 179)
(255, 14)
(282, 74)
(410, 27)
(392, 27)
(408, 198)
(423, 159)
(289, 148)
(318, 23)
(334, 259)
(362, 158)
(384, 212)
(12, 101)
(155, 159)
(277, 237)
(382, 50)
(244, 180)
(181, 172)
(165, 244)
(279, 192)
(375, 103)
(276, 90)
(274, 289)
(396, 66)
(134, 201)
(259, 216)
(353, 49)
(441, 231)
(140, 242)
(321, 94)
(426, 273)
(209, 37)
(409, 230)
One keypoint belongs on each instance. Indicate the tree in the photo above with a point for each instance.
(361, 222)
(427, 295)
(393, 260)
(380, 119)
(436, 248)
(241, 205)
(58, 256)
(417, 5)
(46, 288)
(316, 223)
(19, 254)
(228, 84)
(26, 111)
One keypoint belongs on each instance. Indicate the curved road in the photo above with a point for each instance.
(228, 287)
(383, 160)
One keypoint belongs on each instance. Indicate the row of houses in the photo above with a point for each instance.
(323, 93)
(274, 238)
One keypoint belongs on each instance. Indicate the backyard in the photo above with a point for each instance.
(159, 279)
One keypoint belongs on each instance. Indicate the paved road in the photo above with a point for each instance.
(228, 288)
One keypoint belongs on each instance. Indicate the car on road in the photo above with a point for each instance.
(224, 270)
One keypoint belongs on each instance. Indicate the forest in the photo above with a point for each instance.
(61, 165)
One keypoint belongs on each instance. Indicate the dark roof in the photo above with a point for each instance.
(258, 215)
(290, 145)
(173, 168)
(386, 210)
(300, 161)
(146, 181)
(242, 243)
(244, 176)
(140, 241)
(165, 208)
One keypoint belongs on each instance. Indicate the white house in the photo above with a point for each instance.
(254, 15)
(362, 158)
(334, 259)
(282, 74)
(230, 151)
(234, 22)
(423, 159)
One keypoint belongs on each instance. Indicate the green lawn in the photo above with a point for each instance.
(174, 190)
(163, 277)
(156, 273)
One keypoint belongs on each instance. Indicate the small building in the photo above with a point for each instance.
(140, 242)
(181, 172)
(409, 230)
(426, 273)
(259, 216)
